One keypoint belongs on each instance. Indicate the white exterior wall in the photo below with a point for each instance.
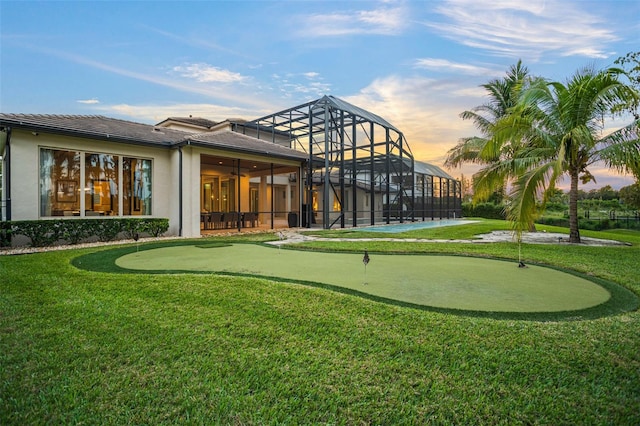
(25, 172)
(190, 192)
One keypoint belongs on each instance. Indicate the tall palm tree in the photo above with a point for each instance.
(560, 132)
(503, 95)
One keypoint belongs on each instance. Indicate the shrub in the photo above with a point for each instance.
(5, 234)
(485, 210)
(554, 221)
(107, 229)
(42, 233)
(72, 231)
(155, 227)
(131, 227)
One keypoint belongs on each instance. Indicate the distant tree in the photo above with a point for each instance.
(606, 193)
(630, 195)
(557, 195)
(467, 188)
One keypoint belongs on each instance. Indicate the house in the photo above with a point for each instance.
(86, 166)
(325, 162)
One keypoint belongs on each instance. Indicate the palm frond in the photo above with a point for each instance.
(528, 190)
(466, 151)
(620, 150)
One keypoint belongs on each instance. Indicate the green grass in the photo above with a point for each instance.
(91, 347)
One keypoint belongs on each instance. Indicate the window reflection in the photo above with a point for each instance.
(61, 190)
(136, 195)
(101, 184)
(59, 183)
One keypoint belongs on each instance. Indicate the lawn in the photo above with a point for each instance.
(109, 347)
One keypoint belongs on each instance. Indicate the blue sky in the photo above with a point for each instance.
(418, 64)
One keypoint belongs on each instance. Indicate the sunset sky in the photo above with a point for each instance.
(418, 64)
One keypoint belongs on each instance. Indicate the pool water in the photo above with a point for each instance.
(412, 226)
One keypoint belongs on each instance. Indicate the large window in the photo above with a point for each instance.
(112, 185)
(59, 183)
(136, 183)
(101, 185)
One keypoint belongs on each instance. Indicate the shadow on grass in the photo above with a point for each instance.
(622, 300)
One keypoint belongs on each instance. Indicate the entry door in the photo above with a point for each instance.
(280, 200)
(228, 195)
(210, 194)
(254, 198)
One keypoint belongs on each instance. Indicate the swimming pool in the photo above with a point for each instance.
(412, 226)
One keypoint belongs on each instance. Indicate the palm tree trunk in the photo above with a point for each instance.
(574, 232)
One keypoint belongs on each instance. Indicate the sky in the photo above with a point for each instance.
(418, 64)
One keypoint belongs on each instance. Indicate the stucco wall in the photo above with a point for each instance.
(25, 149)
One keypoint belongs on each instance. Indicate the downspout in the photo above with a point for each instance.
(7, 172)
(180, 191)
(272, 197)
(239, 199)
(309, 180)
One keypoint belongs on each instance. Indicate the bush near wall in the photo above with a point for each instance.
(5, 234)
(485, 210)
(42, 233)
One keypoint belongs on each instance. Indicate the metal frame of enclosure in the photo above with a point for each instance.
(361, 170)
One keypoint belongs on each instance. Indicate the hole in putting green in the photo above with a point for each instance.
(452, 282)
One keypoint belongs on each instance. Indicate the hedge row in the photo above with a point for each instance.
(594, 224)
(485, 210)
(42, 233)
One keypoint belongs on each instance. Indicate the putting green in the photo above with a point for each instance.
(451, 282)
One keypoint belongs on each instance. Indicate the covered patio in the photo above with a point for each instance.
(250, 184)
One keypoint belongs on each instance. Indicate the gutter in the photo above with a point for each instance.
(297, 155)
(7, 172)
(180, 191)
(89, 134)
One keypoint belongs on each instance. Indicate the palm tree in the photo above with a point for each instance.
(559, 132)
(503, 95)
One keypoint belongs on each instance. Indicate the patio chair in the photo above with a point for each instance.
(230, 219)
(215, 220)
(249, 218)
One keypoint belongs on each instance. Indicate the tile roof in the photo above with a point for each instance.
(194, 121)
(238, 142)
(105, 128)
(95, 127)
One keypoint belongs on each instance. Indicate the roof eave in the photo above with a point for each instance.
(16, 124)
(202, 144)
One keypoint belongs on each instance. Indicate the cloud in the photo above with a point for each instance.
(88, 101)
(426, 110)
(154, 113)
(205, 73)
(445, 65)
(204, 42)
(383, 21)
(310, 85)
(524, 28)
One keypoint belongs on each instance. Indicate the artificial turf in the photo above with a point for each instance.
(450, 282)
